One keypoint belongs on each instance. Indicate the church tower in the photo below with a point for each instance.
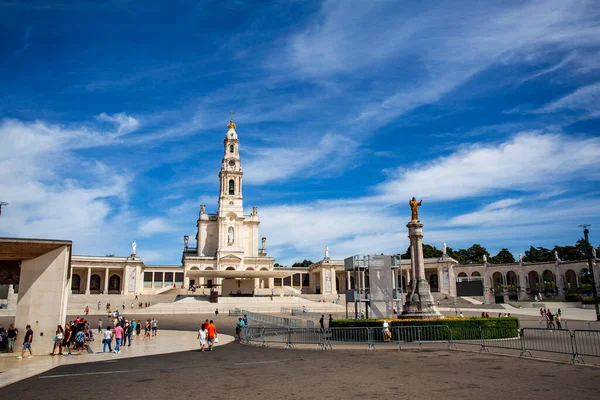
(230, 196)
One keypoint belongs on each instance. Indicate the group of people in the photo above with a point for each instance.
(8, 337)
(322, 321)
(207, 335)
(551, 318)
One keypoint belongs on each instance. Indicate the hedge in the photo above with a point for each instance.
(460, 328)
(589, 300)
(575, 297)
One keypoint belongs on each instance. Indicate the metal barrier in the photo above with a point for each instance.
(576, 343)
(273, 320)
(418, 335)
(587, 343)
(548, 340)
(354, 335)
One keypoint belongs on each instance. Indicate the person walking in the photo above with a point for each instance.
(125, 337)
(98, 306)
(212, 335)
(202, 334)
(108, 335)
(238, 329)
(558, 322)
(11, 335)
(138, 328)
(68, 337)
(27, 343)
(322, 323)
(217, 313)
(100, 325)
(129, 333)
(387, 335)
(245, 320)
(80, 340)
(154, 326)
(87, 310)
(58, 341)
(118, 338)
(330, 321)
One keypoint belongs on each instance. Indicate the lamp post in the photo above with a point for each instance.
(2, 203)
(588, 253)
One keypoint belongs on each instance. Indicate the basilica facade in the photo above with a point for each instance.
(228, 240)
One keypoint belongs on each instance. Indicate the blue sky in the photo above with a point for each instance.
(113, 114)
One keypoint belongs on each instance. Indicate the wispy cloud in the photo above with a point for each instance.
(529, 160)
(124, 123)
(586, 98)
(329, 155)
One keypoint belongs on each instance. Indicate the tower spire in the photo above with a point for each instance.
(231, 124)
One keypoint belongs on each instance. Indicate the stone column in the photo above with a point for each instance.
(87, 286)
(106, 281)
(271, 282)
(163, 279)
(560, 281)
(301, 282)
(420, 304)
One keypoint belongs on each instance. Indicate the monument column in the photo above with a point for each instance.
(106, 281)
(87, 286)
(419, 304)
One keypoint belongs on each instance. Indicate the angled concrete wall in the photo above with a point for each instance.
(42, 301)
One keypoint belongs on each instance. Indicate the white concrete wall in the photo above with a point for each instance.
(43, 292)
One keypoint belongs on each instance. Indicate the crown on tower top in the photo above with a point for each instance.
(231, 124)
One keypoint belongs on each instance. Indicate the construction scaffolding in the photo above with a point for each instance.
(377, 290)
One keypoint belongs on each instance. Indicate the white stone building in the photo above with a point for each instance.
(228, 240)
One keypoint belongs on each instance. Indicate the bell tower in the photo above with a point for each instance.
(230, 195)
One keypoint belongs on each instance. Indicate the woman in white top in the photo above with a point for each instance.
(58, 341)
(202, 337)
(386, 331)
(108, 335)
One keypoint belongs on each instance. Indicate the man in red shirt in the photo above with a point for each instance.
(212, 334)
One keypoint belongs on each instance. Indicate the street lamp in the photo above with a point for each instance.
(591, 267)
(2, 203)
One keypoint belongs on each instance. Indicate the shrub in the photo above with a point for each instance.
(589, 300)
(459, 328)
(576, 297)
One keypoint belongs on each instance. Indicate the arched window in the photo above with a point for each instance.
(231, 186)
(231, 148)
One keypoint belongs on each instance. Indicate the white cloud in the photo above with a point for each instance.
(586, 98)
(125, 123)
(272, 164)
(53, 193)
(154, 225)
(438, 48)
(529, 161)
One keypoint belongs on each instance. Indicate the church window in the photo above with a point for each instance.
(231, 186)
(231, 148)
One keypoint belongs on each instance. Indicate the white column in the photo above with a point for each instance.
(106, 281)
(87, 286)
(300, 282)
(163, 279)
(122, 281)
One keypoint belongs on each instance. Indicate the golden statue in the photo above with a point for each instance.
(414, 207)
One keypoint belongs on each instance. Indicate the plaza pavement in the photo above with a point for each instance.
(235, 371)
(166, 342)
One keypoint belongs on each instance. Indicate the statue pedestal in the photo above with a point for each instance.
(419, 303)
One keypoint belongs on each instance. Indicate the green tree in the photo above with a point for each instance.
(503, 257)
(538, 254)
(458, 255)
(475, 254)
(303, 264)
(429, 251)
(277, 265)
